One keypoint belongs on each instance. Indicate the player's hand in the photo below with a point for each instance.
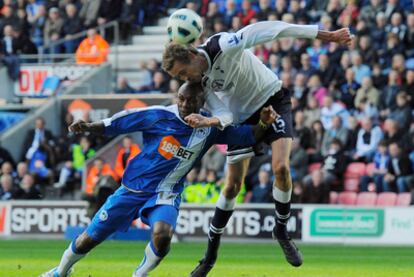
(196, 120)
(342, 36)
(268, 115)
(79, 126)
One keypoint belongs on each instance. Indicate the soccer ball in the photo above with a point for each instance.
(184, 26)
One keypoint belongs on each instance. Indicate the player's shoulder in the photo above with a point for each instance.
(212, 46)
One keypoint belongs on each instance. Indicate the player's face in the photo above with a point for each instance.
(187, 72)
(189, 102)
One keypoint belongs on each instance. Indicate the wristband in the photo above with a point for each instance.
(263, 125)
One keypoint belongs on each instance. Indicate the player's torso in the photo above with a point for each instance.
(243, 83)
(170, 149)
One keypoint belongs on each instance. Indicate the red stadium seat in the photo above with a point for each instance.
(351, 184)
(366, 198)
(347, 198)
(314, 166)
(370, 169)
(355, 170)
(404, 199)
(333, 197)
(387, 199)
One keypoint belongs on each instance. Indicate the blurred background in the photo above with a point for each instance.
(63, 60)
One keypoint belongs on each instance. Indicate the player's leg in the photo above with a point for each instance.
(162, 219)
(282, 191)
(236, 172)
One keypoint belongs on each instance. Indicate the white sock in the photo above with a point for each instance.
(225, 204)
(69, 258)
(281, 196)
(148, 263)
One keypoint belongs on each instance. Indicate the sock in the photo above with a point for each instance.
(222, 214)
(69, 258)
(282, 210)
(149, 262)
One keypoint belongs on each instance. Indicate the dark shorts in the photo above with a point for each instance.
(282, 128)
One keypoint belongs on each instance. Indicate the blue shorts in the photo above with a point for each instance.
(124, 206)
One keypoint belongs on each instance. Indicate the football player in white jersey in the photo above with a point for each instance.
(231, 73)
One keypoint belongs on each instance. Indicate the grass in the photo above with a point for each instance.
(117, 259)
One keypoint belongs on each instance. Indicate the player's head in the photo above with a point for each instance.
(183, 62)
(190, 98)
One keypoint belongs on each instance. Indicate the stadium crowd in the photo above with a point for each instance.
(353, 107)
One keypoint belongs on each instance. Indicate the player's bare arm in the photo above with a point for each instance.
(81, 126)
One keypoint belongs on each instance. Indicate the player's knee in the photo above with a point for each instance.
(282, 173)
(161, 238)
(232, 187)
(85, 243)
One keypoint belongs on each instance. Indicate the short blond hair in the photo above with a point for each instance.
(176, 52)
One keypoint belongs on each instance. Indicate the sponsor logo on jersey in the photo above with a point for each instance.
(201, 132)
(170, 147)
(103, 215)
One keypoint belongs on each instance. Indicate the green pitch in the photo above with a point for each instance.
(118, 259)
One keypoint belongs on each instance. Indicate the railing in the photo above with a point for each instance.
(44, 57)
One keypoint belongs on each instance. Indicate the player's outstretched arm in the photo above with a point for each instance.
(267, 117)
(81, 126)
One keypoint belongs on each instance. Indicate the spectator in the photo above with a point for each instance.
(409, 35)
(7, 191)
(173, 86)
(349, 89)
(368, 13)
(326, 71)
(22, 169)
(312, 112)
(315, 191)
(247, 12)
(396, 26)
(333, 168)
(89, 13)
(281, 8)
(212, 16)
(298, 161)
(82, 152)
(409, 86)
(353, 130)
(34, 137)
(158, 85)
(317, 132)
(38, 22)
(393, 133)
(329, 110)
(27, 189)
(379, 80)
(8, 49)
(236, 24)
(127, 19)
(93, 49)
(300, 91)
(9, 17)
(264, 10)
(72, 25)
(368, 138)
(40, 164)
(361, 70)
(368, 92)
(128, 151)
(297, 11)
(302, 132)
(387, 101)
(230, 13)
(109, 10)
(98, 170)
(316, 90)
(399, 170)
(262, 190)
(274, 64)
(402, 112)
(378, 33)
(366, 50)
(306, 67)
(315, 51)
(381, 160)
(123, 86)
(337, 131)
(23, 43)
(262, 53)
(52, 30)
(7, 168)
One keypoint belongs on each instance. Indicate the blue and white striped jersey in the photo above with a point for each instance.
(171, 147)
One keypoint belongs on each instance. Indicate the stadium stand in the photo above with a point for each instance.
(367, 88)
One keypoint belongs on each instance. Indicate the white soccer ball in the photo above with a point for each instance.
(184, 26)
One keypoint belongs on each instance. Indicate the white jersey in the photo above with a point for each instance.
(236, 76)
